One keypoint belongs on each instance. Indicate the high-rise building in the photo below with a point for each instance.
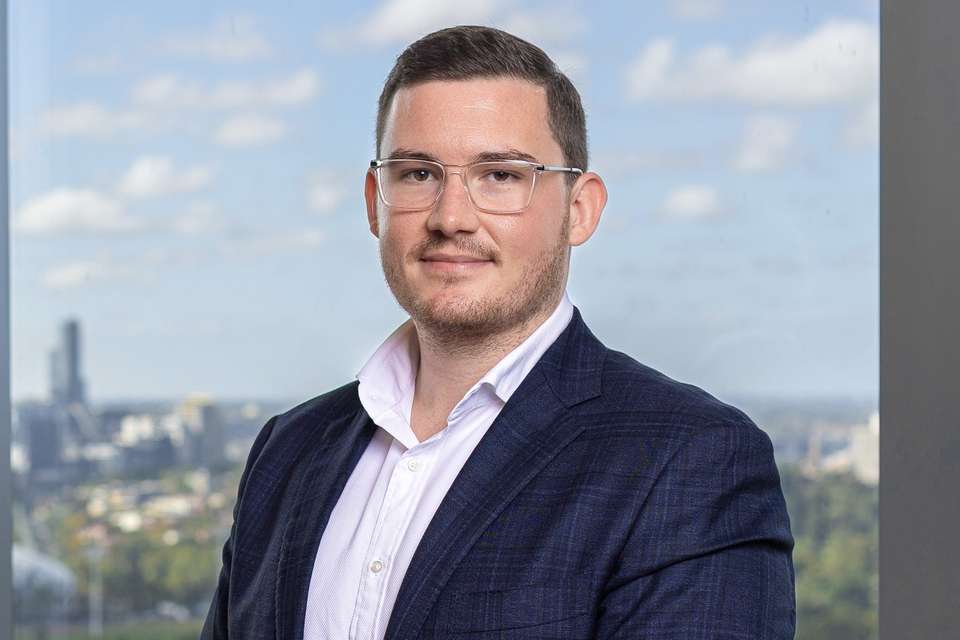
(206, 431)
(66, 384)
(44, 439)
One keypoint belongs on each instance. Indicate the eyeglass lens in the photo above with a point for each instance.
(493, 186)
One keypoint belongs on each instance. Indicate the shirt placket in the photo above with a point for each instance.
(399, 501)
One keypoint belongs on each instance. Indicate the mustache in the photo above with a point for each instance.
(461, 246)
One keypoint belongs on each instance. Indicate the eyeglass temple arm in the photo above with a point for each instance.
(547, 167)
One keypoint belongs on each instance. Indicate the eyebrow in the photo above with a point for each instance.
(484, 156)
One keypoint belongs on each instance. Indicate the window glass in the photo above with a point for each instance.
(190, 256)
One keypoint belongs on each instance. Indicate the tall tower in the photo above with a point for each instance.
(66, 385)
(206, 431)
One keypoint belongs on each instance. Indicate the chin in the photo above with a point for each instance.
(454, 308)
(454, 311)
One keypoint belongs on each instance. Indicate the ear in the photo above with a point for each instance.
(587, 199)
(372, 197)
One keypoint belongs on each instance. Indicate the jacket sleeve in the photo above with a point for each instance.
(216, 624)
(709, 555)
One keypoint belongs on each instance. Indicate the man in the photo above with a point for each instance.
(495, 471)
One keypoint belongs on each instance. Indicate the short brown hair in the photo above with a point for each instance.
(465, 52)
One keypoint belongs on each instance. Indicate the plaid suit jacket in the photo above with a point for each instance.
(605, 501)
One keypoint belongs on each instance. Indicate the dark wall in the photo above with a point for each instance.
(919, 319)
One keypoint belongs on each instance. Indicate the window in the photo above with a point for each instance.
(187, 232)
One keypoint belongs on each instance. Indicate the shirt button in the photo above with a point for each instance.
(376, 566)
(413, 465)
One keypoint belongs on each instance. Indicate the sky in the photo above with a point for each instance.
(186, 181)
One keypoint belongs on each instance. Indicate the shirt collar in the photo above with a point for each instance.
(387, 378)
(506, 375)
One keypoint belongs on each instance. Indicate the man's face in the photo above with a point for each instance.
(519, 265)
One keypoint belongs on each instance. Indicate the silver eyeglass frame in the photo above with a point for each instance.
(538, 168)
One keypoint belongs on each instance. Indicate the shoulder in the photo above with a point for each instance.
(343, 400)
(665, 413)
(691, 443)
(285, 434)
(629, 385)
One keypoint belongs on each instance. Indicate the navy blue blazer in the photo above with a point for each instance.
(605, 501)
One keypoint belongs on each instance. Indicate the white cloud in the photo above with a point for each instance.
(170, 91)
(157, 100)
(572, 63)
(151, 176)
(244, 243)
(250, 130)
(300, 87)
(91, 119)
(200, 217)
(406, 20)
(403, 21)
(400, 22)
(863, 129)
(266, 244)
(229, 39)
(610, 163)
(142, 265)
(83, 272)
(101, 65)
(73, 274)
(837, 62)
(697, 9)
(691, 201)
(766, 144)
(67, 209)
(326, 192)
(565, 24)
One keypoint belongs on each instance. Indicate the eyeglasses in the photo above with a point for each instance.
(502, 186)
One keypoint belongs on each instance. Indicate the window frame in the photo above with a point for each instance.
(919, 153)
(6, 417)
(919, 353)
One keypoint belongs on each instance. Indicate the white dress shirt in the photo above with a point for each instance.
(399, 482)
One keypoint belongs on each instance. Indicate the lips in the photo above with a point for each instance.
(449, 257)
(453, 264)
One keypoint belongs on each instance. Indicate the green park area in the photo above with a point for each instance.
(834, 519)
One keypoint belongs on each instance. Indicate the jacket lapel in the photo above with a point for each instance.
(530, 430)
(321, 480)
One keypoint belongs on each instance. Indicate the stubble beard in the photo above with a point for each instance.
(463, 321)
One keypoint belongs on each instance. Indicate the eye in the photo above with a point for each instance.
(419, 174)
(499, 175)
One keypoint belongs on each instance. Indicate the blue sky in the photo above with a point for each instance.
(186, 180)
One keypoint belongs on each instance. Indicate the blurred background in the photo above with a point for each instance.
(190, 256)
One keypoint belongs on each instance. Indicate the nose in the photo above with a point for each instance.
(453, 212)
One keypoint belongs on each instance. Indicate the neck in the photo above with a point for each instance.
(451, 364)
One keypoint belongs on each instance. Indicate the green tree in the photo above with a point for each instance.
(834, 519)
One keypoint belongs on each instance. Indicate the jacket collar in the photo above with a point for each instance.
(574, 363)
(533, 426)
(531, 429)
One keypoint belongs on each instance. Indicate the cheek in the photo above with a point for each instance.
(396, 239)
(533, 236)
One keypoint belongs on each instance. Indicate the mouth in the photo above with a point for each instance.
(453, 263)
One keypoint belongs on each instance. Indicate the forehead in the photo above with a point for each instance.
(454, 120)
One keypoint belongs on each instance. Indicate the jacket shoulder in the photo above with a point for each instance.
(640, 398)
(343, 400)
(284, 436)
(632, 385)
